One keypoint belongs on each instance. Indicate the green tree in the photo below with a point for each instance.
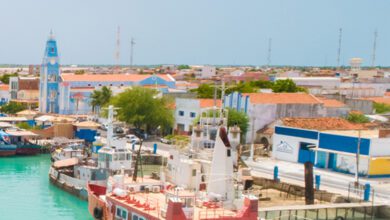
(262, 84)
(206, 91)
(182, 67)
(357, 118)
(239, 118)
(100, 98)
(5, 78)
(381, 108)
(13, 107)
(242, 87)
(286, 85)
(143, 108)
(79, 72)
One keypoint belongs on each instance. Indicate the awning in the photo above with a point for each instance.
(66, 163)
(20, 133)
(87, 124)
(13, 119)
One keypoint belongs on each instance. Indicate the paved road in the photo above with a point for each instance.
(333, 182)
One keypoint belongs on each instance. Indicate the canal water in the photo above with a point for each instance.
(26, 193)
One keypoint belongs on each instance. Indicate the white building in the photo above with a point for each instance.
(334, 149)
(187, 110)
(323, 82)
(264, 108)
(204, 72)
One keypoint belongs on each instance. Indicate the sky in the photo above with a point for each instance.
(216, 32)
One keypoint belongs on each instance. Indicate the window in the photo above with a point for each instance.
(128, 157)
(192, 114)
(181, 113)
(194, 172)
(122, 156)
(121, 213)
(137, 217)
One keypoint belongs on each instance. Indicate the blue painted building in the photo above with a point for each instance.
(75, 90)
(70, 94)
(49, 78)
(334, 150)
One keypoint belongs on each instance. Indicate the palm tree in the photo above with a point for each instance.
(100, 98)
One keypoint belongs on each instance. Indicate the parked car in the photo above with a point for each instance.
(118, 130)
(165, 141)
(131, 138)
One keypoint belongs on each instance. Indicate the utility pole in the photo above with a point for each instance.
(252, 149)
(118, 48)
(132, 43)
(269, 52)
(339, 48)
(357, 159)
(374, 49)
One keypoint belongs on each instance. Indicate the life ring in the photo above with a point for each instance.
(339, 218)
(98, 213)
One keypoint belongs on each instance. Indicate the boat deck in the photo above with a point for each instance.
(154, 205)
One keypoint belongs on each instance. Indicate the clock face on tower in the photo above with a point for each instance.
(52, 61)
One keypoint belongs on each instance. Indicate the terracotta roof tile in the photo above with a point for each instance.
(331, 103)
(282, 98)
(111, 77)
(321, 124)
(384, 100)
(206, 103)
(4, 87)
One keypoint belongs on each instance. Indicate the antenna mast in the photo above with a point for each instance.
(269, 52)
(117, 53)
(132, 43)
(374, 49)
(339, 48)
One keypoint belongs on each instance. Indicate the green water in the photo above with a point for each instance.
(26, 193)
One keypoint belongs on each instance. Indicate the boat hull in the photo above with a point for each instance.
(28, 149)
(70, 184)
(7, 150)
(5, 153)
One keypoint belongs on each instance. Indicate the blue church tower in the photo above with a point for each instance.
(49, 78)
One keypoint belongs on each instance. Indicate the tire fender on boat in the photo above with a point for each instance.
(98, 213)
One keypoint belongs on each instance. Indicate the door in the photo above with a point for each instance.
(305, 154)
(332, 161)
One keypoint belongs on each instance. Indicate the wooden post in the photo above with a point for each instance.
(309, 190)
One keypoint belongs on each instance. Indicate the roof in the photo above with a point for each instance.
(87, 124)
(384, 100)
(5, 125)
(111, 77)
(27, 112)
(66, 163)
(28, 84)
(206, 103)
(20, 133)
(331, 103)
(4, 87)
(321, 124)
(13, 119)
(282, 98)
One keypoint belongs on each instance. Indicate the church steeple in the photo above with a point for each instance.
(50, 77)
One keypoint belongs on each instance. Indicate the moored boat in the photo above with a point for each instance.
(22, 139)
(7, 150)
(190, 187)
